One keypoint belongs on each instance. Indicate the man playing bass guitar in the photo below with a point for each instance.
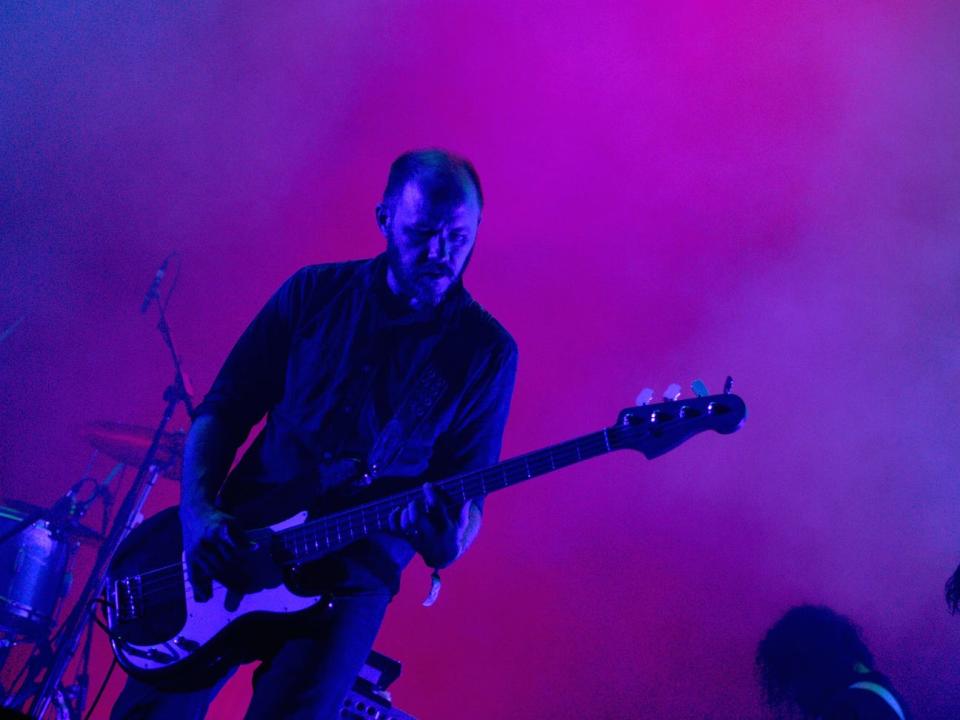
(371, 374)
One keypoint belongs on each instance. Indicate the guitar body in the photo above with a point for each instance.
(162, 636)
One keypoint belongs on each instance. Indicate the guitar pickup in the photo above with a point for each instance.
(128, 597)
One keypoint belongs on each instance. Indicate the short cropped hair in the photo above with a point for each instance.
(430, 162)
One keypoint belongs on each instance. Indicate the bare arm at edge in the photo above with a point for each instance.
(212, 539)
(207, 456)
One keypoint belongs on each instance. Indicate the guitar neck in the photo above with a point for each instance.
(314, 539)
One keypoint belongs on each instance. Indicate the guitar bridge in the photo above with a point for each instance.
(128, 596)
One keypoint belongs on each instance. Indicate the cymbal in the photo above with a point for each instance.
(129, 444)
(67, 526)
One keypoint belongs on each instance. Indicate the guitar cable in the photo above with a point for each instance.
(102, 603)
(103, 686)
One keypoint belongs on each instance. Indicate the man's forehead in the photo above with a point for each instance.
(434, 198)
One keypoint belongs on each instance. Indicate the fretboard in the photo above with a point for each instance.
(314, 539)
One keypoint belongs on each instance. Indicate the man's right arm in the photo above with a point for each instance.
(247, 386)
(212, 539)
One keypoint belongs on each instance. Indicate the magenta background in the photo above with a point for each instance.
(674, 190)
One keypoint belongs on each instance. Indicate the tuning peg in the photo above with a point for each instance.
(699, 388)
(672, 392)
(645, 396)
(728, 385)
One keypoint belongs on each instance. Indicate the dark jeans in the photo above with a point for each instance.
(304, 678)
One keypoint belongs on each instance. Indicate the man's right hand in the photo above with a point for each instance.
(212, 544)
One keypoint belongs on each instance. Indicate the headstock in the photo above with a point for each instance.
(657, 429)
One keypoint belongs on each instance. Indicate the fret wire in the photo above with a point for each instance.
(589, 446)
(596, 447)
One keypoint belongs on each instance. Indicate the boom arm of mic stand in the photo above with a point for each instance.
(137, 495)
(80, 614)
(180, 381)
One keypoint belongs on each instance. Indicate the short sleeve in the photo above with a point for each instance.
(252, 377)
(475, 437)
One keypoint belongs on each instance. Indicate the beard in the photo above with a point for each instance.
(424, 284)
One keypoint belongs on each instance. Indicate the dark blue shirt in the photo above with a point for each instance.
(350, 377)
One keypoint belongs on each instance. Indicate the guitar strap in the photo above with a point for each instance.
(413, 410)
(418, 402)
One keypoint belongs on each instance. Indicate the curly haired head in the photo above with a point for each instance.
(952, 591)
(809, 656)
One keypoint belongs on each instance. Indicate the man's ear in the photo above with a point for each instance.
(383, 218)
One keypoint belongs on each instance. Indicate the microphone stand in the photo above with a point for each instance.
(124, 522)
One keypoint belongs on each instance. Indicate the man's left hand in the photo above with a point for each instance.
(430, 526)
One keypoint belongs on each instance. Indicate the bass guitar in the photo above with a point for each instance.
(161, 635)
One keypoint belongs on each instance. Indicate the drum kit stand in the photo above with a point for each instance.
(38, 547)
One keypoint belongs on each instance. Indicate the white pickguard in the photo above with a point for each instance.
(205, 620)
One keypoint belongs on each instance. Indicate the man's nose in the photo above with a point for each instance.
(437, 246)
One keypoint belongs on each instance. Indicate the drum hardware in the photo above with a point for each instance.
(129, 444)
(33, 574)
(160, 455)
(37, 547)
(66, 520)
(37, 550)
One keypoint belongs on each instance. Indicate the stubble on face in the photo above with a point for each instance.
(407, 282)
(430, 232)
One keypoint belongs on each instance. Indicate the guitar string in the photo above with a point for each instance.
(170, 577)
(346, 524)
(479, 481)
(473, 476)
